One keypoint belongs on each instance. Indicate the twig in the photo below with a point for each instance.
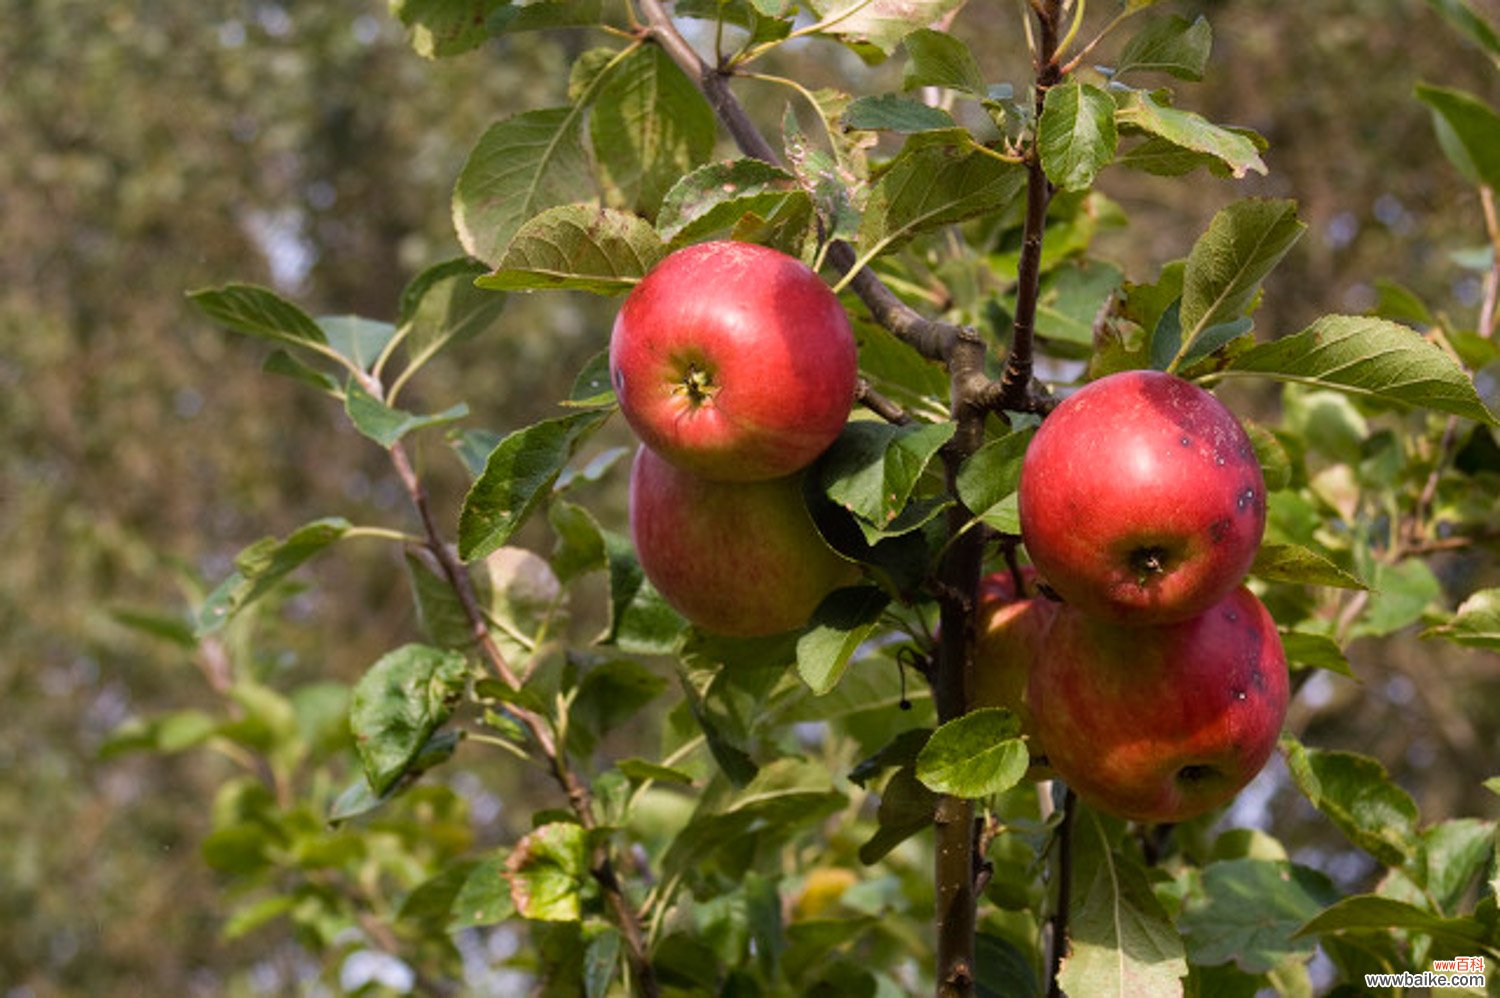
(1016, 381)
(879, 404)
(1064, 894)
(627, 919)
(1487, 309)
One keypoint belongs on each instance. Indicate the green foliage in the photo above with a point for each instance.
(751, 816)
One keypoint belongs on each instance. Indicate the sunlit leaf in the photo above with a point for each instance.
(1357, 795)
(547, 871)
(440, 28)
(714, 197)
(978, 754)
(1140, 110)
(397, 705)
(648, 126)
(1301, 566)
(1077, 134)
(520, 167)
(578, 248)
(1476, 624)
(517, 475)
(261, 565)
(880, 24)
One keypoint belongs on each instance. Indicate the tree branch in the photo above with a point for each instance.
(930, 338)
(1015, 383)
(878, 403)
(1064, 894)
(627, 919)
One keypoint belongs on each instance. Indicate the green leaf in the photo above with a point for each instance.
(256, 311)
(1453, 854)
(993, 472)
(439, 610)
(261, 565)
(1493, 785)
(484, 897)
(1402, 593)
(599, 959)
(1372, 912)
(906, 808)
(1357, 795)
(640, 620)
(1369, 358)
(440, 28)
(288, 366)
(1077, 134)
(520, 166)
(938, 178)
(716, 197)
(247, 919)
(1466, 128)
(1250, 912)
(397, 705)
(580, 541)
(1301, 566)
(1121, 940)
(1071, 297)
(385, 425)
(517, 475)
(894, 113)
(1003, 970)
(976, 755)
(356, 339)
(1141, 111)
(1172, 45)
(1475, 625)
(878, 24)
(841, 623)
(578, 248)
(649, 125)
(1317, 651)
(1244, 242)
(547, 871)
(784, 795)
(612, 693)
(938, 59)
(1470, 24)
(872, 468)
(512, 19)
(641, 770)
(441, 305)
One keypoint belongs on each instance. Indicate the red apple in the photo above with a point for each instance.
(1161, 723)
(735, 558)
(1009, 632)
(734, 361)
(1141, 499)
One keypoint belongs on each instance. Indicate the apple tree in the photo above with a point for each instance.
(835, 808)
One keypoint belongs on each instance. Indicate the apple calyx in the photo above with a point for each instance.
(698, 385)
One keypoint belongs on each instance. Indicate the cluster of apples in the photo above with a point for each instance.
(1155, 683)
(735, 365)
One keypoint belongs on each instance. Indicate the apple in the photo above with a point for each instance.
(736, 558)
(1160, 723)
(734, 361)
(1141, 499)
(1010, 629)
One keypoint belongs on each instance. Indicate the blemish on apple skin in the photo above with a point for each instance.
(1186, 441)
(1238, 694)
(1217, 531)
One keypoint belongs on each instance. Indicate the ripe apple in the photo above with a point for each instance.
(1161, 723)
(1009, 631)
(1141, 499)
(735, 558)
(734, 361)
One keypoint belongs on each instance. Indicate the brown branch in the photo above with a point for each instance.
(879, 404)
(930, 338)
(1015, 392)
(627, 919)
(1064, 894)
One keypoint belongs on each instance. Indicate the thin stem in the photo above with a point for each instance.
(1077, 23)
(1487, 309)
(1083, 53)
(1064, 893)
(933, 340)
(879, 404)
(1015, 383)
(627, 919)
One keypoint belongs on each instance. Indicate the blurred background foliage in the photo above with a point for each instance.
(149, 148)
